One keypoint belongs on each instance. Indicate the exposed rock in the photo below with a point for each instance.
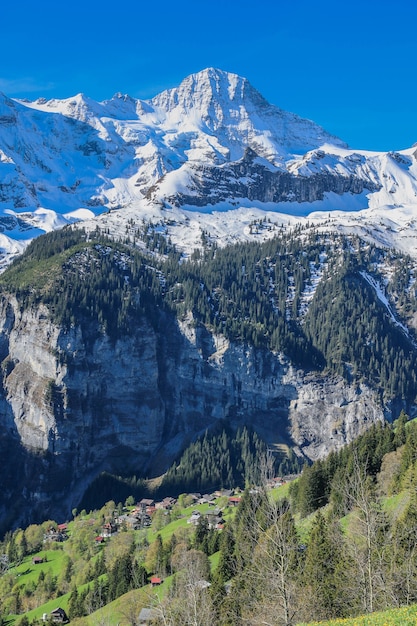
(75, 403)
(253, 178)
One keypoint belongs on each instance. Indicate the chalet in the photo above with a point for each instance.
(108, 529)
(215, 520)
(144, 520)
(223, 492)
(156, 581)
(166, 503)
(234, 500)
(129, 521)
(37, 560)
(195, 516)
(99, 540)
(146, 503)
(206, 499)
(54, 534)
(195, 496)
(58, 616)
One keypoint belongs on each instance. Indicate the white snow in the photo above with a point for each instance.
(106, 163)
(382, 297)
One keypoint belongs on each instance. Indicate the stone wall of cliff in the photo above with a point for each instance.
(74, 403)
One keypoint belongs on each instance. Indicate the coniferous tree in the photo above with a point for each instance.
(324, 563)
(403, 574)
(226, 567)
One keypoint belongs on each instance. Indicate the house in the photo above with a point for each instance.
(147, 616)
(234, 500)
(146, 503)
(108, 529)
(129, 521)
(99, 540)
(223, 492)
(143, 519)
(194, 496)
(215, 520)
(156, 581)
(167, 504)
(206, 499)
(37, 560)
(195, 516)
(58, 616)
(54, 534)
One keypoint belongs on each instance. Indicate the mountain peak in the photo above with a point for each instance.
(226, 105)
(198, 91)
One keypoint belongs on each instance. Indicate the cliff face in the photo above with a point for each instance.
(75, 403)
(253, 177)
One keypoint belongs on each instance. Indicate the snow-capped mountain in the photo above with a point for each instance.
(114, 358)
(210, 155)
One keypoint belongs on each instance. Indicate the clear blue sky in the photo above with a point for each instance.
(348, 65)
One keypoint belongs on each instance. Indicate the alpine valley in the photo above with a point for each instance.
(209, 260)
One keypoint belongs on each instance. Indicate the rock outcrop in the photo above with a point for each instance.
(253, 177)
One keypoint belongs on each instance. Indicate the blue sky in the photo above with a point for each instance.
(349, 66)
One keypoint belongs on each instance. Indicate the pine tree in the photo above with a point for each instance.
(226, 567)
(400, 429)
(322, 565)
(403, 577)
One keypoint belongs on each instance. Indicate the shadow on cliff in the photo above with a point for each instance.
(25, 474)
(204, 378)
(200, 379)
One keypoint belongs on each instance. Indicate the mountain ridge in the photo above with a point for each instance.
(64, 161)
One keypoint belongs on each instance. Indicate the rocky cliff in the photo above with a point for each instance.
(254, 178)
(75, 403)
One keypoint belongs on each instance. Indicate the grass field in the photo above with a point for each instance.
(28, 572)
(405, 616)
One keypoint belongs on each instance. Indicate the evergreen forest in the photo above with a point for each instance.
(329, 303)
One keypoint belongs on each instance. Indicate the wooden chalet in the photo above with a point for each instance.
(58, 616)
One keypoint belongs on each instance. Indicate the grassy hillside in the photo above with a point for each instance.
(405, 616)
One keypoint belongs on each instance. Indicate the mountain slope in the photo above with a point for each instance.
(114, 359)
(131, 332)
(211, 151)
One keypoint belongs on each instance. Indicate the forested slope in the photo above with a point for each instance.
(309, 297)
(136, 351)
